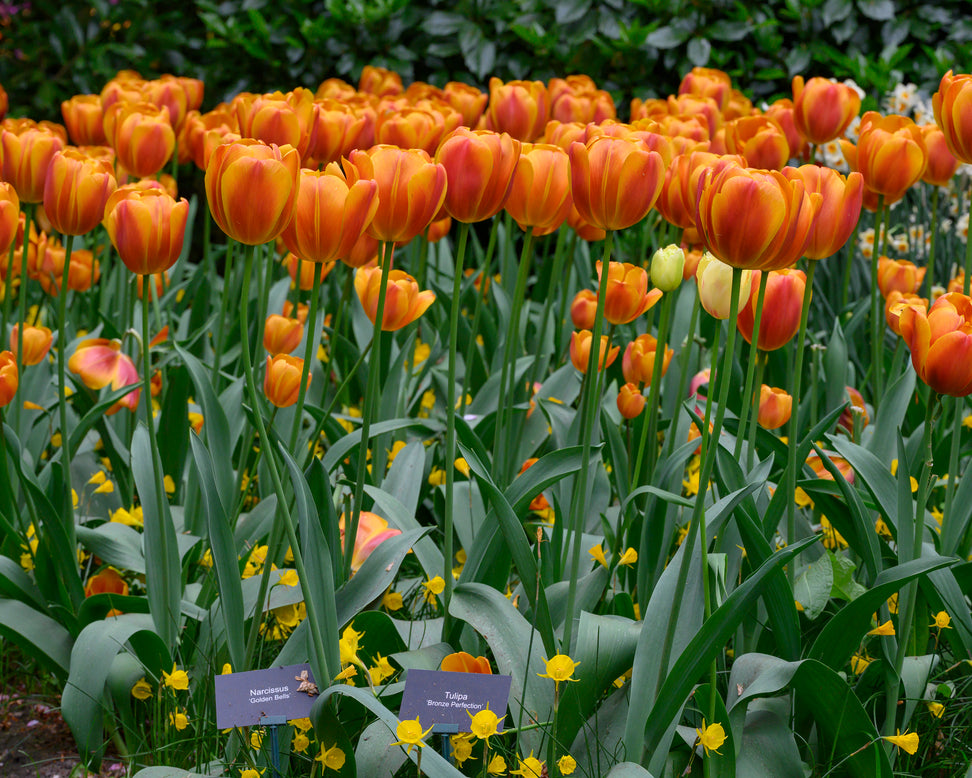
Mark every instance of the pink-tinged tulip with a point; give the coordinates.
(631, 402)
(760, 140)
(147, 228)
(564, 133)
(782, 306)
(677, 200)
(942, 164)
(695, 105)
(281, 335)
(468, 100)
(755, 219)
(952, 104)
(782, 112)
(84, 120)
(335, 89)
(169, 93)
(540, 194)
(373, 530)
(76, 191)
(899, 275)
(9, 378)
(707, 82)
(839, 210)
(404, 303)
(520, 108)
(237, 170)
(638, 362)
(416, 127)
(37, 343)
(411, 189)
(857, 407)
(380, 81)
(823, 109)
(9, 218)
(26, 157)
(775, 406)
(627, 296)
(100, 362)
(479, 166)
(337, 129)
(890, 154)
(281, 384)
(580, 351)
(141, 135)
(577, 99)
(329, 215)
(941, 343)
(614, 182)
(583, 308)
(714, 279)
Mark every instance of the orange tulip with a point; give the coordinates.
(468, 100)
(364, 252)
(890, 154)
(760, 140)
(822, 109)
(107, 581)
(817, 466)
(577, 99)
(46, 265)
(404, 303)
(479, 166)
(839, 210)
(373, 530)
(4, 102)
(84, 120)
(583, 308)
(677, 199)
(275, 119)
(329, 216)
(755, 219)
(520, 108)
(631, 402)
(775, 407)
(337, 130)
(941, 343)
(37, 343)
(782, 306)
(214, 125)
(707, 82)
(307, 271)
(416, 127)
(141, 135)
(896, 302)
(147, 228)
(899, 275)
(584, 229)
(167, 92)
(159, 281)
(564, 133)
(379, 81)
(580, 351)
(282, 381)
(76, 191)
(411, 189)
(100, 362)
(237, 170)
(614, 182)
(952, 104)
(282, 335)
(9, 218)
(26, 157)
(540, 194)
(461, 662)
(696, 105)
(857, 406)
(627, 296)
(8, 378)
(941, 163)
(714, 279)
(638, 362)
(781, 112)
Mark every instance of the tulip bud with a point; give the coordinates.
(282, 381)
(715, 285)
(404, 303)
(823, 109)
(76, 191)
(626, 294)
(631, 402)
(580, 351)
(8, 378)
(775, 407)
(37, 343)
(638, 362)
(583, 309)
(281, 335)
(666, 267)
(479, 166)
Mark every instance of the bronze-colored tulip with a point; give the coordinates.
(329, 215)
(540, 194)
(631, 402)
(952, 104)
(941, 162)
(583, 308)
(9, 378)
(9, 217)
(380, 81)
(707, 82)
(215, 125)
(823, 109)
(638, 362)
(76, 191)
(281, 384)
(237, 170)
(282, 335)
(416, 126)
(520, 108)
(147, 228)
(782, 306)
(580, 351)
(896, 302)
(614, 182)
(890, 154)
(468, 100)
(461, 662)
(899, 275)
(84, 119)
(626, 294)
(577, 99)
(307, 271)
(839, 209)
(941, 343)
(338, 129)
(168, 92)
(677, 199)
(141, 135)
(759, 140)
(411, 189)
(37, 343)
(26, 157)
(775, 407)
(404, 303)
(584, 229)
(479, 166)
(781, 112)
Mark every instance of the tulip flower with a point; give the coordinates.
(942, 164)
(107, 581)
(26, 157)
(9, 379)
(141, 135)
(468, 100)
(580, 351)
(479, 166)
(520, 108)
(169, 93)
(899, 275)
(626, 292)
(823, 109)
(775, 406)
(890, 154)
(76, 191)
(781, 112)
(379, 81)
(782, 306)
(337, 129)
(373, 530)
(404, 303)
(411, 189)
(857, 407)
(37, 343)
(667, 265)
(462, 662)
(614, 182)
(839, 210)
(84, 119)
(638, 362)
(100, 362)
(583, 308)
(307, 271)
(146, 227)
(540, 194)
(46, 266)
(329, 215)
(9, 218)
(707, 82)
(896, 302)
(416, 127)
(273, 119)
(577, 99)
(236, 170)
(714, 279)
(282, 335)
(756, 219)
(941, 343)
(952, 104)
(677, 200)
(631, 402)
(281, 384)
(760, 140)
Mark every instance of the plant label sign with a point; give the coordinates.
(242, 699)
(447, 701)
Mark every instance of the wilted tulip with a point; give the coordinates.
(404, 303)
(626, 295)
(281, 335)
(479, 166)
(952, 104)
(638, 362)
(100, 362)
(141, 135)
(823, 109)
(9, 378)
(580, 351)
(775, 406)
(76, 191)
(941, 343)
(782, 306)
(147, 228)
(281, 384)
(714, 279)
(540, 194)
(26, 157)
(631, 402)
(37, 343)
(520, 108)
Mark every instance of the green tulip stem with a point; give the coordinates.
(312, 339)
(368, 411)
(8, 285)
(283, 509)
(792, 465)
(484, 281)
(450, 440)
(649, 430)
(849, 266)
(953, 468)
(22, 305)
(683, 358)
(929, 279)
(265, 299)
(761, 360)
(221, 320)
(589, 404)
(555, 276)
(753, 359)
(62, 344)
(877, 321)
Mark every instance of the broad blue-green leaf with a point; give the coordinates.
(890, 416)
(768, 748)
(341, 448)
(813, 586)
(628, 770)
(398, 516)
(37, 634)
(404, 479)
(115, 544)
(876, 476)
(17, 585)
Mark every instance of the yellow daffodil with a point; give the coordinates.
(392, 601)
(484, 724)
(409, 733)
(559, 668)
(942, 621)
(461, 748)
(885, 629)
(332, 758)
(531, 767)
(497, 765)
(177, 679)
(908, 742)
(629, 557)
(566, 764)
(433, 587)
(936, 709)
(711, 737)
(141, 690)
(597, 552)
(179, 720)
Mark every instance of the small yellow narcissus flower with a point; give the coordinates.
(885, 629)
(177, 679)
(484, 724)
(497, 765)
(251, 772)
(711, 737)
(531, 767)
(300, 743)
(559, 668)
(392, 601)
(332, 758)
(597, 552)
(433, 587)
(942, 621)
(461, 748)
(908, 742)
(179, 720)
(141, 690)
(629, 557)
(566, 764)
(409, 733)
(936, 709)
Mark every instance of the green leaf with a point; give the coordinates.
(721, 764)
(37, 634)
(666, 37)
(876, 477)
(628, 770)
(890, 417)
(813, 586)
(341, 448)
(17, 585)
(768, 748)
(698, 51)
(878, 10)
(427, 551)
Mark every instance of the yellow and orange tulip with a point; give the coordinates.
(890, 154)
(823, 109)
(26, 156)
(580, 351)
(631, 402)
(373, 530)
(84, 120)
(479, 166)
(941, 343)
(775, 407)
(147, 228)
(37, 343)
(9, 217)
(899, 275)
(9, 378)
(281, 384)
(520, 108)
(952, 104)
(626, 294)
(404, 303)
(141, 135)
(281, 335)
(782, 306)
(540, 194)
(638, 362)
(839, 209)
(76, 191)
